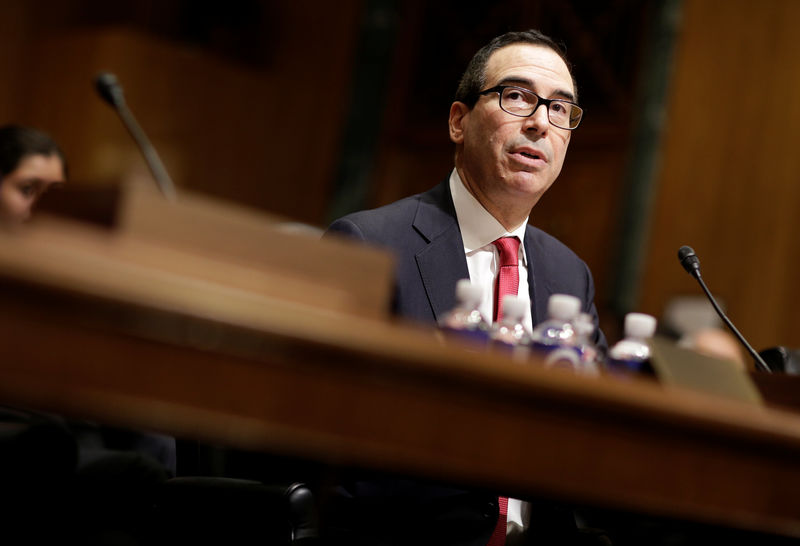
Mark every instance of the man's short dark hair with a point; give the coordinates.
(474, 78)
(17, 143)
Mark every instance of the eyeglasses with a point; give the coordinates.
(521, 102)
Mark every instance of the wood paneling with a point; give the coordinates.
(266, 134)
(728, 182)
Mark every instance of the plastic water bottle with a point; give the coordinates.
(588, 354)
(632, 354)
(509, 333)
(465, 321)
(555, 339)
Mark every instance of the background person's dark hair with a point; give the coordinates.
(474, 78)
(18, 142)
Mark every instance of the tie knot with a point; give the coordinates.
(508, 247)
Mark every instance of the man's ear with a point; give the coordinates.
(458, 115)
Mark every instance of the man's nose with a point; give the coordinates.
(538, 121)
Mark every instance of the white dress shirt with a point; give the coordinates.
(478, 230)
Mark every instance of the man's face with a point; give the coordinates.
(20, 189)
(508, 161)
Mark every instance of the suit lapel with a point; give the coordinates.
(441, 262)
(537, 292)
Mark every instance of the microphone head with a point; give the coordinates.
(689, 260)
(109, 89)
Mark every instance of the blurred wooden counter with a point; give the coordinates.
(101, 326)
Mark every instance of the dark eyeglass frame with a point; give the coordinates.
(539, 102)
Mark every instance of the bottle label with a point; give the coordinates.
(563, 357)
(517, 351)
(472, 337)
(619, 366)
(559, 356)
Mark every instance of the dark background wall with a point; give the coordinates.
(311, 109)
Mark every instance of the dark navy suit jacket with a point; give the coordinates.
(423, 234)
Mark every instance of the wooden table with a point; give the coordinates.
(88, 332)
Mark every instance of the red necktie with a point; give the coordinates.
(507, 283)
(507, 274)
(498, 537)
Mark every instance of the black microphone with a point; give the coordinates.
(110, 91)
(691, 263)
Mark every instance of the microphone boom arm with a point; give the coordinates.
(691, 263)
(111, 92)
(757, 357)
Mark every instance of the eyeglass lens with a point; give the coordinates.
(560, 113)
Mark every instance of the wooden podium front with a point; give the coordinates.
(191, 340)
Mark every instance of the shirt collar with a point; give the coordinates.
(478, 227)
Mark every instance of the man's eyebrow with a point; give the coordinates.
(528, 84)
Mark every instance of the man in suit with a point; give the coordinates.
(509, 151)
(511, 123)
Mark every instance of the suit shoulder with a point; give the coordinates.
(379, 224)
(543, 240)
(546, 246)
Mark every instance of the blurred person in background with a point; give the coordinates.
(89, 482)
(716, 343)
(30, 164)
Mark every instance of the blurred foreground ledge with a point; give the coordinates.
(210, 322)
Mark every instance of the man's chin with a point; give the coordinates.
(530, 185)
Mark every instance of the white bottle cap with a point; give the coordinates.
(468, 293)
(639, 325)
(513, 308)
(563, 307)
